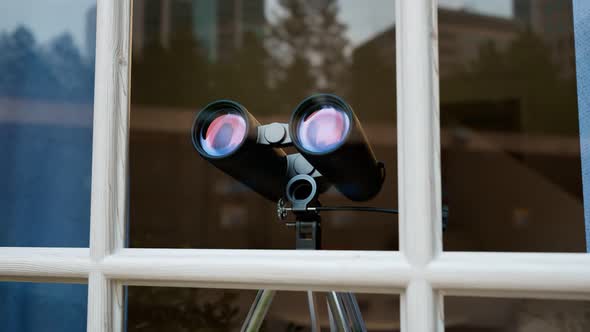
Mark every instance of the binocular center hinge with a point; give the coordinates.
(274, 134)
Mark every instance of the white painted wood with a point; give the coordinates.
(110, 128)
(99, 303)
(512, 274)
(418, 133)
(517, 294)
(109, 158)
(539, 275)
(381, 272)
(418, 158)
(44, 264)
(419, 307)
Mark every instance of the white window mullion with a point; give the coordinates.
(359, 271)
(109, 159)
(418, 159)
(66, 265)
(539, 275)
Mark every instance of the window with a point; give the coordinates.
(206, 56)
(420, 272)
(511, 161)
(46, 96)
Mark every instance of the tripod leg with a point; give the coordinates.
(313, 312)
(338, 312)
(333, 327)
(353, 311)
(258, 310)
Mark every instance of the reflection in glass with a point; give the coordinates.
(223, 135)
(195, 309)
(510, 146)
(323, 129)
(267, 56)
(33, 307)
(46, 95)
(515, 315)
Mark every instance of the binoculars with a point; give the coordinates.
(330, 141)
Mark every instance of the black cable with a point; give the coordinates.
(354, 208)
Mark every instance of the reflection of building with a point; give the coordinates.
(91, 33)
(549, 18)
(552, 21)
(522, 196)
(461, 34)
(219, 26)
(522, 10)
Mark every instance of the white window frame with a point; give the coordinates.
(420, 272)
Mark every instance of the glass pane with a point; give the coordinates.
(196, 309)
(33, 307)
(515, 315)
(268, 56)
(511, 171)
(46, 96)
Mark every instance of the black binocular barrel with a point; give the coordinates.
(225, 133)
(325, 130)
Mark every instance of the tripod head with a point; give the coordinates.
(302, 191)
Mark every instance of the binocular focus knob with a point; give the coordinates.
(275, 133)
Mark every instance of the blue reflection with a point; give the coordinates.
(56, 71)
(46, 96)
(45, 181)
(582, 38)
(42, 307)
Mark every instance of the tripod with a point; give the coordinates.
(343, 310)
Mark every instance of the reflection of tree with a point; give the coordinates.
(151, 81)
(245, 78)
(308, 44)
(329, 42)
(181, 76)
(525, 72)
(174, 77)
(186, 67)
(73, 76)
(182, 309)
(373, 82)
(55, 72)
(304, 52)
(289, 40)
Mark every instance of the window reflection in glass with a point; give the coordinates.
(199, 309)
(268, 56)
(510, 146)
(515, 315)
(46, 96)
(33, 307)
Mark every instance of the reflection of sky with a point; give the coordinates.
(367, 18)
(48, 19)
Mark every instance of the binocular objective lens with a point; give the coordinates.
(223, 135)
(323, 130)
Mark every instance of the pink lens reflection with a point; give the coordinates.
(323, 129)
(224, 134)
